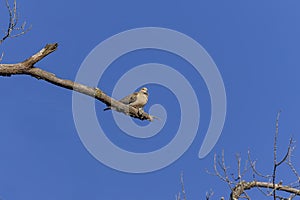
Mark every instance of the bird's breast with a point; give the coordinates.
(141, 100)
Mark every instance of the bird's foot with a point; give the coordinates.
(140, 112)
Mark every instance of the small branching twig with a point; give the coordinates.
(276, 163)
(12, 29)
(254, 170)
(239, 168)
(209, 195)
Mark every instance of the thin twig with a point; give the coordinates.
(253, 167)
(209, 195)
(275, 155)
(182, 186)
(1, 57)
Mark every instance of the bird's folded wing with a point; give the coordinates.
(129, 99)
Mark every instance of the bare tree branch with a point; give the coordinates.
(253, 167)
(242, 186)
(12, 29)
(275, 155)
(268, 186)
(276, 163)
(296, 184)
(27, 68)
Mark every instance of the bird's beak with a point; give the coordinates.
(144, 90)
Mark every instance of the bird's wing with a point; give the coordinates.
(129, 99)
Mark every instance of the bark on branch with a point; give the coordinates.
(240, 188)
(27, 68)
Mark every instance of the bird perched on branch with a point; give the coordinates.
(137, 99)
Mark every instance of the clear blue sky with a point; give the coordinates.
(255, 45)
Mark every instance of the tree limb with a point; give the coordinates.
(242, 186)
(27, 68)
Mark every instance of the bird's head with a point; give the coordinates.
(144, 90)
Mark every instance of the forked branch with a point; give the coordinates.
(13, 30)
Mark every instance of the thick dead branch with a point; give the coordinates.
(242, 186)
(27, 68)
